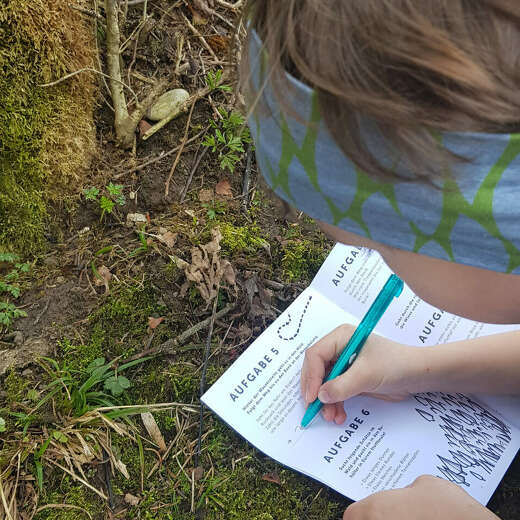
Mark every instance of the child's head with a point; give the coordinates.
(413, 66)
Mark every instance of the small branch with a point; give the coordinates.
(192, 173)
(199, 35)
(168, 347)
(228, 5)
(88, 69)
(179, 153)
(203, 378)
(164, 155)
(247, 177)
(86, 11)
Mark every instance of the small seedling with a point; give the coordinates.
(111, 196)
(215, 209)
(213, 78)
(10, 286)
(229, 138)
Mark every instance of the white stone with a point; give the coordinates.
(170, 102)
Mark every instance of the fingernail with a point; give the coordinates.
(308, 398)
(324, 396)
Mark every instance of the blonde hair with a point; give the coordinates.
(414, 67)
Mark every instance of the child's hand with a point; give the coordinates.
(384, 369)
(428, 498)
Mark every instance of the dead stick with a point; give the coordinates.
(247, 176)
(203, 379)
(192, 173)
(179, 153)
(169, 346)
(152, 161)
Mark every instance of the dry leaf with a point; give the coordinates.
(132, 500)
(272, 477)
(154, 322)
(198, 473)
(224, 188)
(169, 238)
(135, 218)
(207, 270)
(122, 468)
(102, 277)
(206, 195)
(219, 43)
(153, 430)
(144, 126)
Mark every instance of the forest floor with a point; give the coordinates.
(115, 290)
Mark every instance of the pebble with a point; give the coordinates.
(170, 102)
(18, 338)
(27, 372)
(60, 280)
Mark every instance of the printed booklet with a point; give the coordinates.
(467, 439)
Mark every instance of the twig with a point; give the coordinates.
(169, 346)
(192, 173)
(196, 32)
(247, 177)
(108, 480)
(89, 69)
(86, 11)
(203, 378)
(236, 5)
(179, 153)
(162, 156)
(39, 317)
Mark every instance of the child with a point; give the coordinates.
(391, 122)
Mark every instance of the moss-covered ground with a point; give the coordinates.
(109, 290)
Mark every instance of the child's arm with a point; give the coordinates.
(391, 371)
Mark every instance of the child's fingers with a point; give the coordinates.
(334, 412)
(353, 382)
(318, 357)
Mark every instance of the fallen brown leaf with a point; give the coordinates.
(169, 238)
(144, 126)
(219, 43)
(154, 322)
(207, 270)
(103, 276)
(132, 500)
(153, 430)
(224, 188)
(198, 473)
(272, 477)
(205, 195)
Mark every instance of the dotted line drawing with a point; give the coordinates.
(289, 320)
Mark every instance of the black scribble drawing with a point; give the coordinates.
(289, 321)
(476, 439)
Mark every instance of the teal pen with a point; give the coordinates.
(392, 289)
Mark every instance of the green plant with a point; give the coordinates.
(10, 286)
(213, 79)
(111, 196)
(228, 138)
(99, 384)
(214, 209)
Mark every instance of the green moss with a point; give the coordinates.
(301, 260)
(120, 325)
(66, 491)
(15, 386)
(46, 133)
(241, 239)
